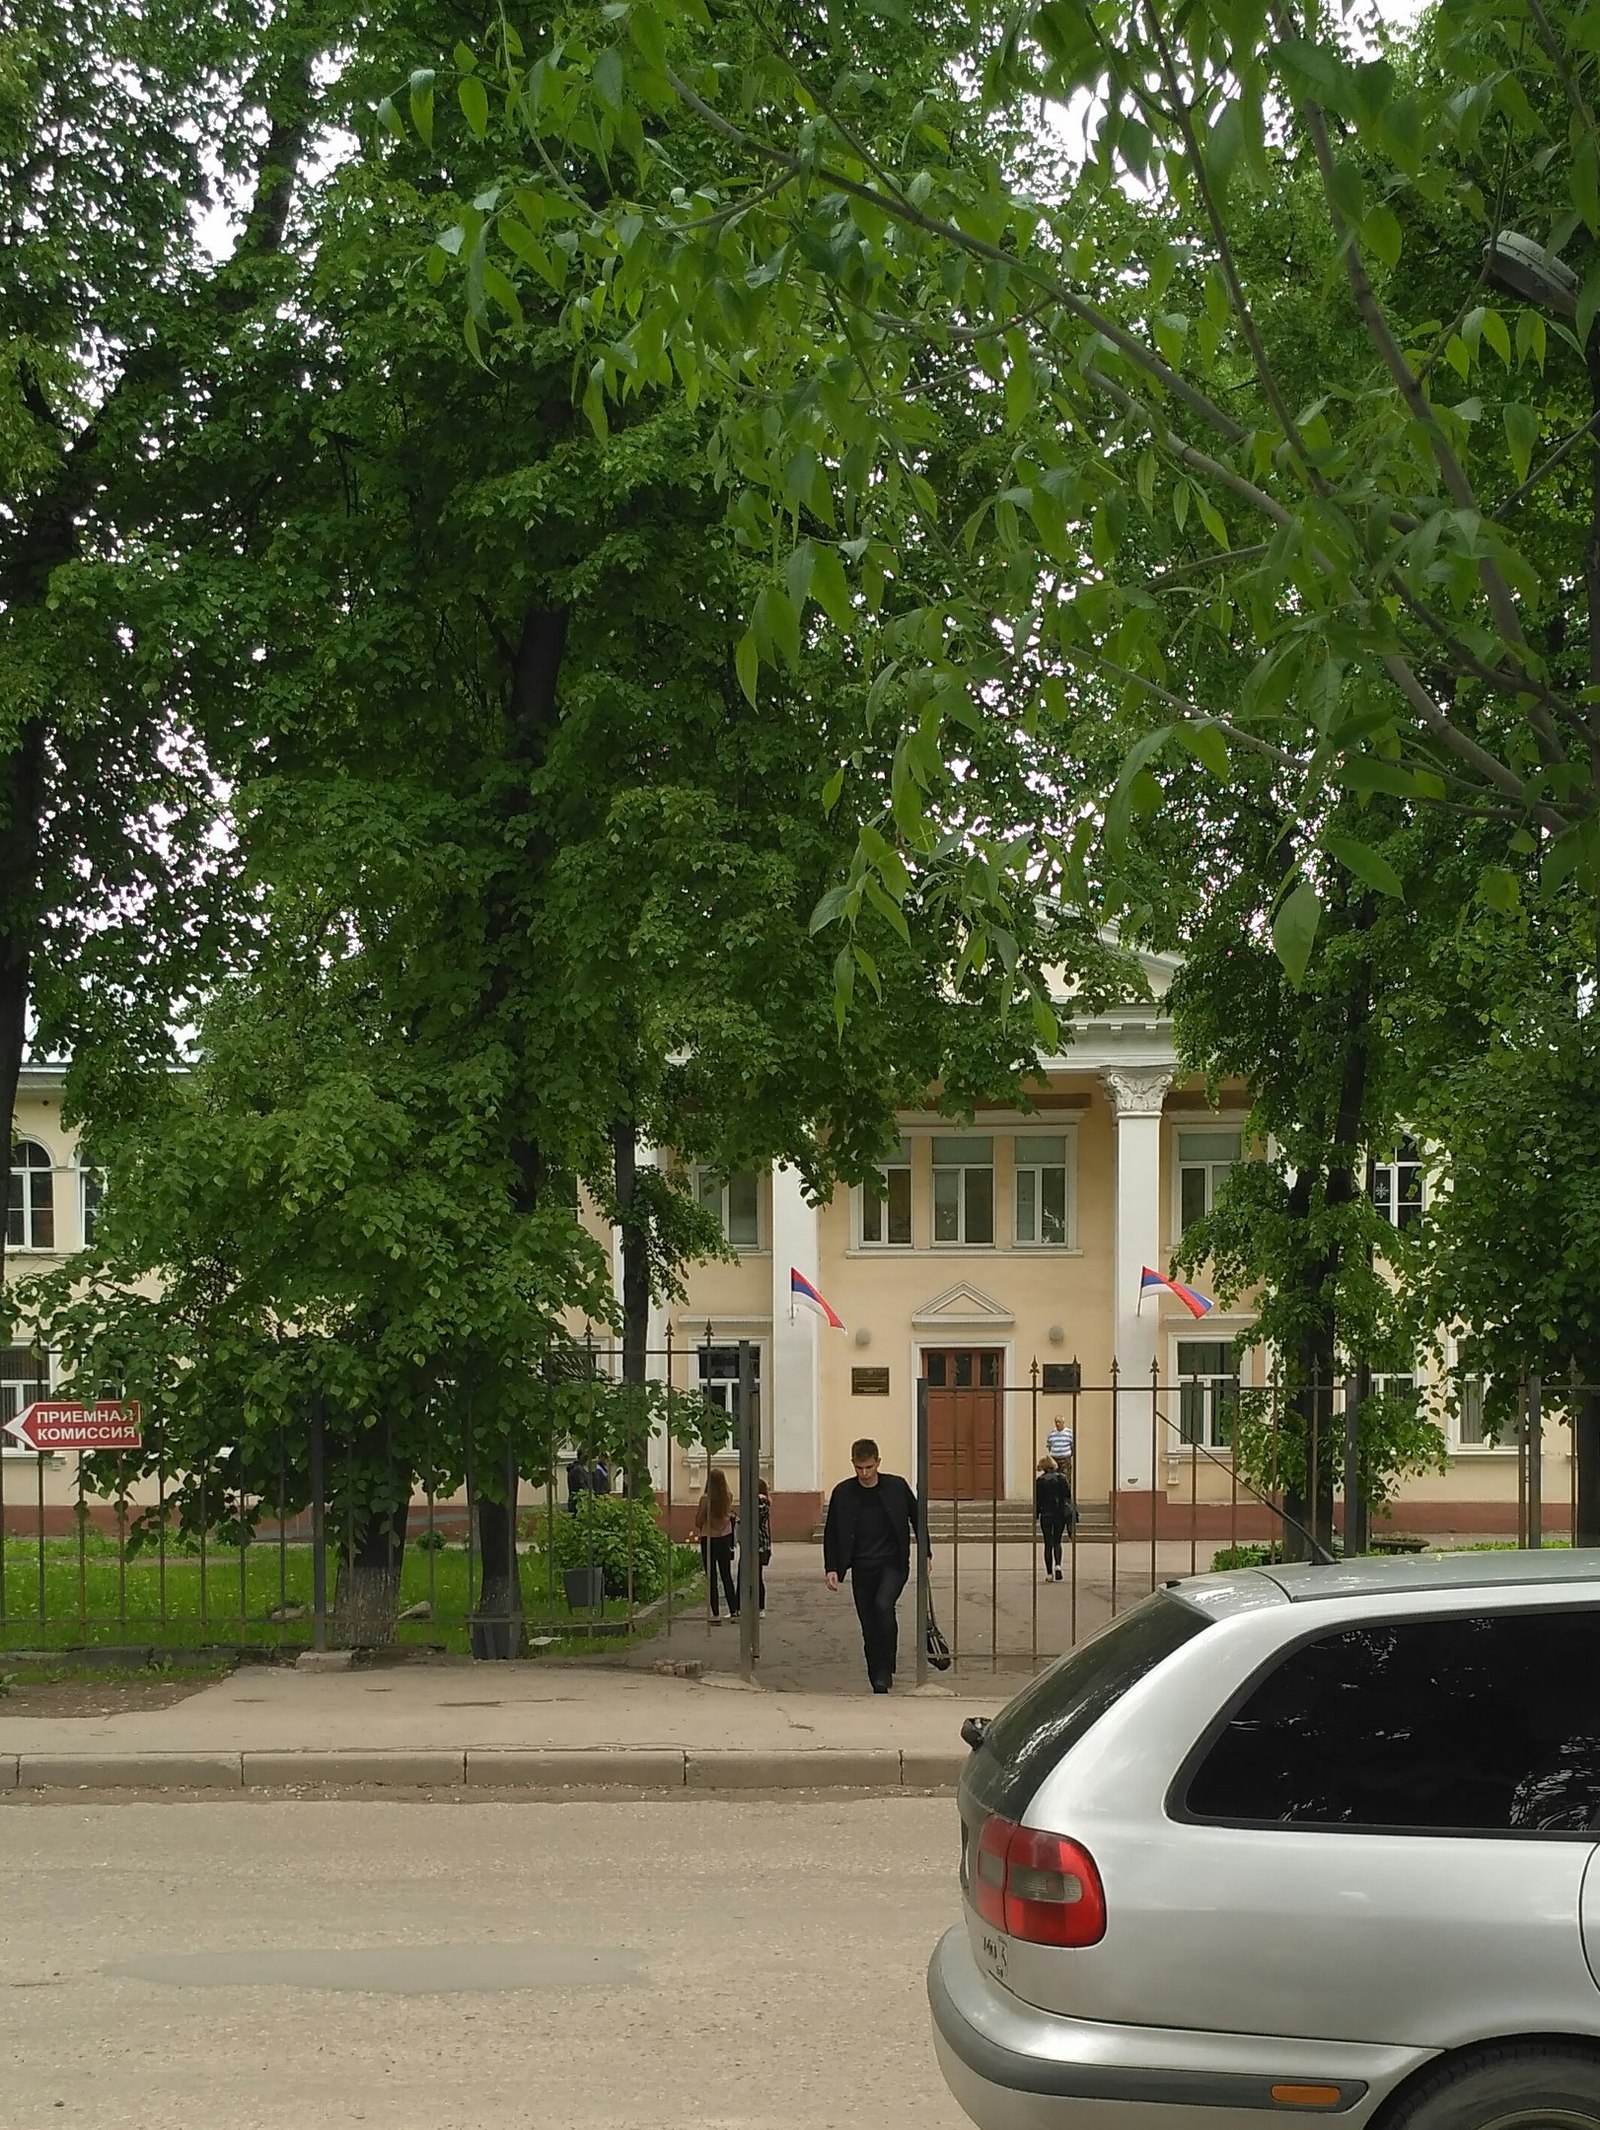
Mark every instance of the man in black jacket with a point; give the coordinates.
(871, 1523)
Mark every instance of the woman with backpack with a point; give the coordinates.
(713, 1528)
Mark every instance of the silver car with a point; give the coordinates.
(1290, 1842)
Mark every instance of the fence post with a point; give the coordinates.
(1535, 1462)
(749, 1514)
(1155, 1458)
(1354, 1537)
(923, 1593)
(319, 1528)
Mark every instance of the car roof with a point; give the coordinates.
(1381, 1575)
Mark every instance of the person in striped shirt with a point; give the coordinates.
(1059, 1443)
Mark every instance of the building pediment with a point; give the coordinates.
(960, 1308)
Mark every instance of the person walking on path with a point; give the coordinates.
(763, 1541)
(871, 1522)
(714, 1528)
(1052, 1508)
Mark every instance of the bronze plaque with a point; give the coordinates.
(869, 1383)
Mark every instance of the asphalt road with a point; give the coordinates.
(710, 1965)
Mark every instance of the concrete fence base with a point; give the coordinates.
(571, 1773)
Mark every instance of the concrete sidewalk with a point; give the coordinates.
(501, 1725)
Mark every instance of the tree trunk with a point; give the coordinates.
(22, 777)
(1586, 1449)
(366, 1596)
(497, 1626)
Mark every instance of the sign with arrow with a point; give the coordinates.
(53, 1425)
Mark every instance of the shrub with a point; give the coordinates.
(1260, 1556)
(599, 1533)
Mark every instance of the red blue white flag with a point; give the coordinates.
(1196, 1304)
(801, 1290)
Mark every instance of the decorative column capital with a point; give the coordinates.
(1137, 1091)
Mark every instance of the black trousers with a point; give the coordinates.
(1052, 1533)
(877, 1587)
(717, 1553)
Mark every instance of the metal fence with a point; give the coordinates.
(259, 1546)
(255, 1546)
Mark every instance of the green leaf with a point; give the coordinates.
(1208, 746)
(390, 119)
(594, 400)
(1294, 930)
(1382, 233)
(829, 908)
(1498, 888)
(833, 790)
(1368, 866)
(421, 100)
(1522, 433)
(474, 101)
(608, 78)
(747, 665)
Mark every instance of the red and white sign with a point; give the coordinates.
(113, 1424)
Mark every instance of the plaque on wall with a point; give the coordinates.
(869, 1383)
(1061, 1376)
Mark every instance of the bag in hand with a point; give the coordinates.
(938, 1647)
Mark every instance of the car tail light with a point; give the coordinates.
(1039, 1887)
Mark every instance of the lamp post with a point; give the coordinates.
(1532, 271)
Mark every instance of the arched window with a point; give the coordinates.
(31, 1221)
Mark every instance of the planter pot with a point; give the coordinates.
(585, 1588)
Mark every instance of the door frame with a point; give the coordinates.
(924, 1342)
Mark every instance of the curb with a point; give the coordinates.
(570, 1772)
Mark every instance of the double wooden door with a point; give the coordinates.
(966, 1405)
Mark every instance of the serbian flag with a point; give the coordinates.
(801, 1290)
(1196, 1304)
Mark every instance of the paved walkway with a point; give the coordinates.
(994, 1607)
(809, 1720)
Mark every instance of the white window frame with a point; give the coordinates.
(1178, 1447)
(704, 1176)
(16, 1392)
(899, 1165)
(89, 1175)
(1180, 1125)
(46, 1169)
(1392, 1168)
(1068, 1164)
(728, 1456)
(962, 1170)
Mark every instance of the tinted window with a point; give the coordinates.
(1482, 1724)
(1053, 1712)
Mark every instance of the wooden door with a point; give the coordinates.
(966, 1451)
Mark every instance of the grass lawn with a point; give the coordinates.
(99, 1598)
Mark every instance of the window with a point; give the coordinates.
(719, 1380)
(886, 1203)
(91, 1186)
(963, 1190)
(1043, 1211)
(1396, 1185)
(736, 1201)
(24, 1376)
(31, 1224)
(1039, 1726)
(1483, 1723)
(1470, 1430)
(1204, 1159)
(1208, 1392)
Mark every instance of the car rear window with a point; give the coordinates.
(1484, 1723)
(1059, 1708)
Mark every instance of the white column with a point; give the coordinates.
(1136, 1097)
(792, 1394)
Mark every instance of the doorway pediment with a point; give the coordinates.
(963, 1307)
